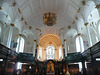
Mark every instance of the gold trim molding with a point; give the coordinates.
(20, 34)
(12, 25)
(64, 40)
(79, 34)
(34, 40)
(86, 24)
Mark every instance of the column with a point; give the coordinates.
(83, 68)
(79, 35)
(89, 36)
(34, 48)
(65, 45)
(20, 35)
(10, 35)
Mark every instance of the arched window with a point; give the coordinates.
(60, 53)
(40, 53)
(99, 29)
(50, 52)
(79, 44)
(20, 45)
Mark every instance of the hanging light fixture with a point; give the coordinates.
(49, 19)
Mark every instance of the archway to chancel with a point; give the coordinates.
(50, 50)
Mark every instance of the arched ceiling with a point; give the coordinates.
(33, 10)
(50, 38)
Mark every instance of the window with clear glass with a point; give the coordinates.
(79, 44)
(60, 53)
(20, 45)
(50, 52)
(99, 29)
(40, 53)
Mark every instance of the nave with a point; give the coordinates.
(49, 37)
(88, 60)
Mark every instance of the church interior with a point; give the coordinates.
(49, 37)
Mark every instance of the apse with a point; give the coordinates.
(50, 48)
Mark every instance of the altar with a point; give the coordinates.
(50, 67)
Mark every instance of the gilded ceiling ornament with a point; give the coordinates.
(73, 22)
(34, 40)
(13, 4)
(79, 34)
(97, 6)
(19, 11)
(69, 27)
(38, 29)
(64, 40)
(20, 34)
(79, 10)
(86, 24)
(59, 34)
(22, 18)
(6, 16)
(76, 18)
(55, 49)
(40, 34)
(61, 29)
(36, 45)
(49, 19)
(12, 25)
(30, 27)
(83, 3)
(93, 23)
(2, 24)
(26, 23)
(5, 23)
(0, 8)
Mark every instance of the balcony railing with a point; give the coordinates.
(7, 53)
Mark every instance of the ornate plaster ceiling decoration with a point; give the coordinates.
(61, 29)
(49, 19)
(38, 29)
(83, 2)
(22, 18)
(79, 10)
(13, 4)
(26, 23)
(30, 27)
(19, 11)
(0, 8)
(73, 22)
(98, 6)
(69, 27)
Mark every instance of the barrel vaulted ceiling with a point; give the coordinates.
(33, 10)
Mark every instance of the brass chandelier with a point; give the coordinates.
(49, 19)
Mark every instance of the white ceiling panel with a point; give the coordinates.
(27, 12)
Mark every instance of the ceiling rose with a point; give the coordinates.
(49, 19)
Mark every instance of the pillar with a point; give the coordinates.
(20, 35)
(83, 68)
(79, 35)
(88, 33)
(34, 48)
(65, 45)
